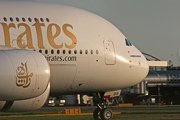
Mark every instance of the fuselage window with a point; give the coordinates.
(91, 51)
(81, 51)
(35, 19)
(58, 51)
(52, 51)
(47, 19)
(75, 51)
(97, 52)
(23, 19)
(41, 19)
(64, 51)
(30, 20)
(40, 51)
(69, 51)
(17, 19)
(11, 19)
(86, 51)
(46, 51)
(5, 19)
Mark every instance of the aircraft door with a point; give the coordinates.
(110, 58)
(62, 76)
(81, 74)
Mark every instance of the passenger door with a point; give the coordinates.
(110, 58)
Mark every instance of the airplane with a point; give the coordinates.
(48, 48)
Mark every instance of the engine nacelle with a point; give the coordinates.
(24, 74)
(25, 105)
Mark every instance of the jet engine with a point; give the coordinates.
(25, 105)
(24, 74)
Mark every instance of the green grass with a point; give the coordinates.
(146, 106)
(148, 111)
(51, 118)
(147, 117)
(116, 117)
(26, 113)
(126, 115)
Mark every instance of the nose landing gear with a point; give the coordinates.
(102, 113)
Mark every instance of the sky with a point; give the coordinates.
(153, 26)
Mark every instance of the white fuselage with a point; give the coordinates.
(85, 52)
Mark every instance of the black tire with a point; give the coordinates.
(96, 114)
(106, 114)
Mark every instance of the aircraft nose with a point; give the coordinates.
(145, 65)
(142, 69)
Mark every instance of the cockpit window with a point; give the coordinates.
(128, 43)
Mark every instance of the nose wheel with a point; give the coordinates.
(102, 113)
(96, 114)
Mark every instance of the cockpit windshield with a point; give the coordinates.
(128, 43)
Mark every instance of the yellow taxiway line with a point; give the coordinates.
(52, 114)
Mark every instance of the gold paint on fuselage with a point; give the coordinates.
(27, 32)
(38, 26)
(6, 33)
(39, 33)
(70, 35)
(51, 37)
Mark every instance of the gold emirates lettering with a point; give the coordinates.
(38, 26)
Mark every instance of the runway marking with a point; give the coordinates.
(53, 115)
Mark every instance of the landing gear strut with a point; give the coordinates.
(102, 113)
